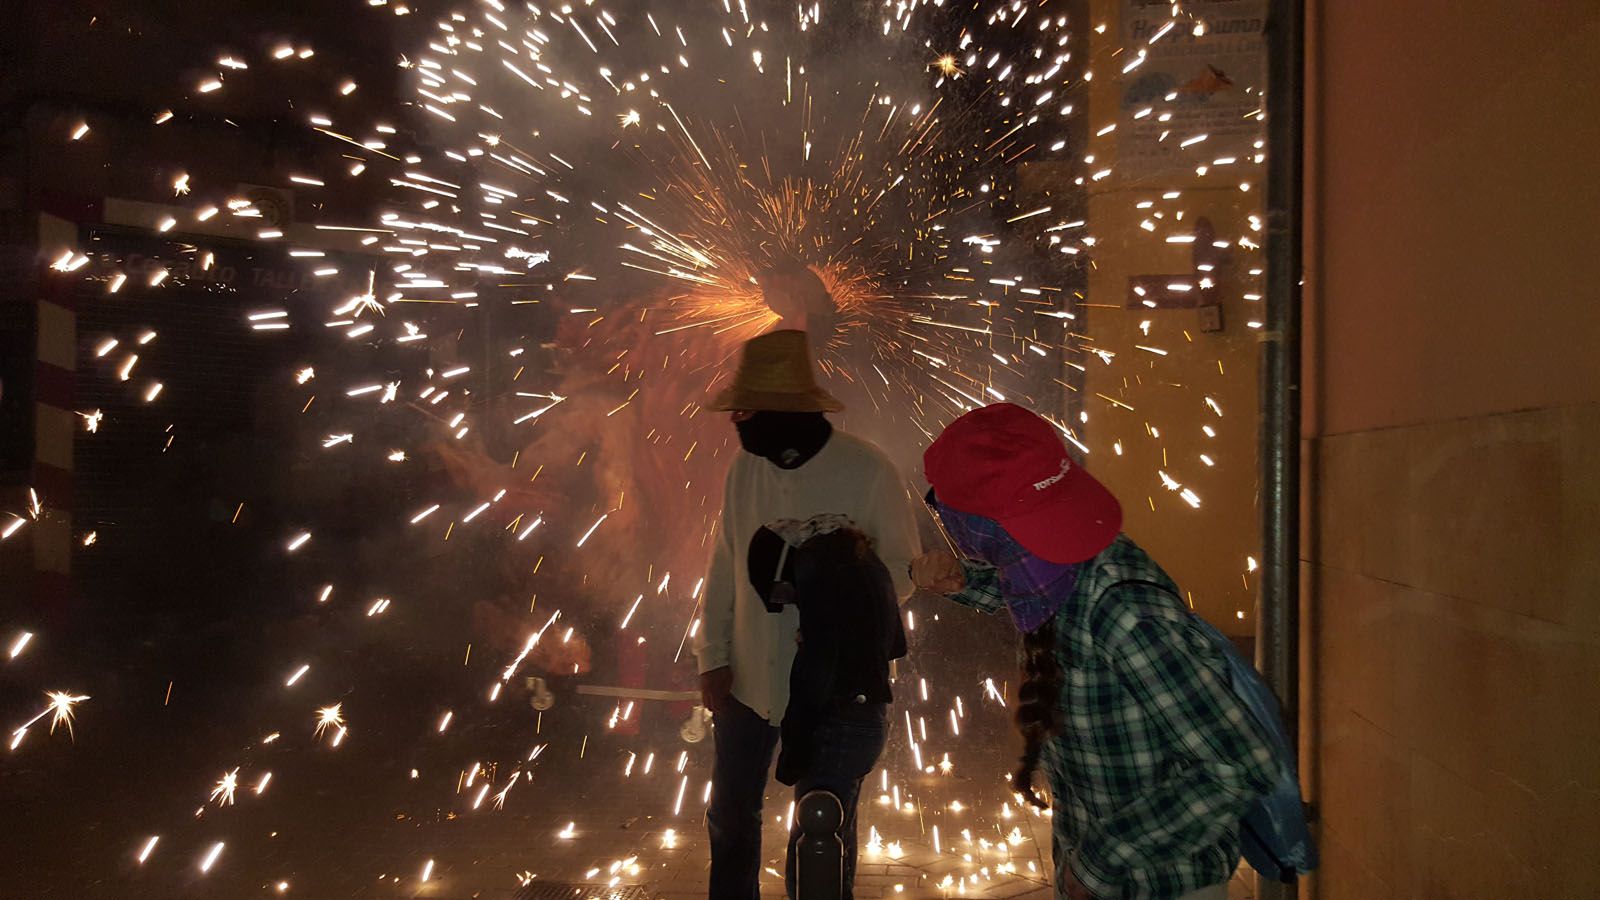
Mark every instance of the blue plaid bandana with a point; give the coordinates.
(1033, 588)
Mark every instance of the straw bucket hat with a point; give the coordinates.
(775, 375)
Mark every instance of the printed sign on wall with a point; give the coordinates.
(1190, 84)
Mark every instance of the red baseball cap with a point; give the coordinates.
(1005, 463)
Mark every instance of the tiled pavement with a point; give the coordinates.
(357, 823)
(353, 828)
(902, 863)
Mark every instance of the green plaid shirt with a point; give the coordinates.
(1157, 760)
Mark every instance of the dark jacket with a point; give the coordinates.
(850, 630)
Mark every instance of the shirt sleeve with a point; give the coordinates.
(895, 529)
(1179, 680)
(982, 591)
(713, 644)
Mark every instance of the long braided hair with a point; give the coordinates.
(1037, 717)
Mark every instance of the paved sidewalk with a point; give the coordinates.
(608, 807)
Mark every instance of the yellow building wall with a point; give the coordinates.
(1153, 406)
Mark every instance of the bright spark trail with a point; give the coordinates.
(496, 384)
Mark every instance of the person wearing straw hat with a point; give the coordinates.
(1126, 699)
(797, 476)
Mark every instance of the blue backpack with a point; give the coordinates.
(1274, 835)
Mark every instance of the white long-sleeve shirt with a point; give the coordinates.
(848, 477)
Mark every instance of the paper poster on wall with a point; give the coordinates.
(1191, 84)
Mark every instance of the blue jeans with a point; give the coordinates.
(849, 743)
(744, 745)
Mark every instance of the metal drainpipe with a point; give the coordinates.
(1278, 626)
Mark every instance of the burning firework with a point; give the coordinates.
(594, 210)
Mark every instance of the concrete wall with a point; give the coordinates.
(1453, 420)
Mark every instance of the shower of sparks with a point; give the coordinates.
(222, 793)
(573, 164)
(329, 717)
(60, 711)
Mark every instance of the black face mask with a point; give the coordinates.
(786, 439)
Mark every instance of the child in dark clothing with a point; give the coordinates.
(850, 631)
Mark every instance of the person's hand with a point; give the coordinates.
(938, 571)
(715, 687)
